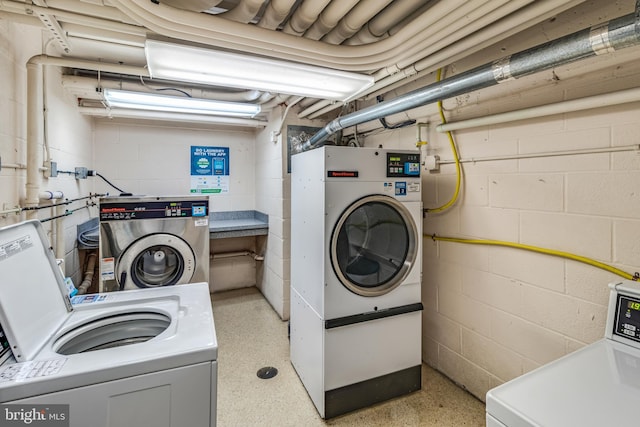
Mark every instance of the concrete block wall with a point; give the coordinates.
(493, 313)
(271, 189)
(155, 160)
(273, 197)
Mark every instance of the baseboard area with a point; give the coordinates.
(365, 393)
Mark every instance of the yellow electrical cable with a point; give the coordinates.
(455, 157)
(545, 251)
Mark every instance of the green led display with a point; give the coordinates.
(633, 305)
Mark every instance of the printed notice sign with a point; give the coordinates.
(209, 170)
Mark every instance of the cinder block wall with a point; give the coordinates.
(494, 313)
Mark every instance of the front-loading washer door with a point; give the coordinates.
(374, 245)
(155, 260)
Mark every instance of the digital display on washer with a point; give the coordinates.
(627, 323)
(150, 210)
(403, 165)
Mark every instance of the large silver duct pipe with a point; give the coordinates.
(600, 39)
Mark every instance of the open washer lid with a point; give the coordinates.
(33, 300)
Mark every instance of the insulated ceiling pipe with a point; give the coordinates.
(329, 18)
(354, 20)
(275, 13)
(600, 39)
(244, 11)
(392, 77)
(385, 20)
(305, 15)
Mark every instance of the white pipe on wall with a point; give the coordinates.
(50, 195)
(543, 154)
(589, 102)
(35, 134)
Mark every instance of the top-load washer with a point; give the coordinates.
(148, 241)
(356, 231)
(135, 358)
(596, 386)
(356, 219)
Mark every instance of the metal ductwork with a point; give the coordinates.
(598, 40)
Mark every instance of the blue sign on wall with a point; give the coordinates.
(209, 169)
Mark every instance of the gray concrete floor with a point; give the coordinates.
(252, 336)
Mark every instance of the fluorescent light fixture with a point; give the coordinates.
(151, 102)
(198, 65)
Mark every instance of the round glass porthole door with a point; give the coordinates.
(374, 245)
(155, 260)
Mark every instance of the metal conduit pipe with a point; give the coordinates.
(597, 40)
(388, 78)
(305, 15)
(487, 36)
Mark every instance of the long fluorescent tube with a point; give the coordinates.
(198, 65)
(151, 102)
(171, 117)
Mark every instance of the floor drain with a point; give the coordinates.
(267, 372)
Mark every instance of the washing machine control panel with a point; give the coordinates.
(154, 210)
(403, 165)
(627, 322)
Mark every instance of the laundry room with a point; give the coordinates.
(388, 212)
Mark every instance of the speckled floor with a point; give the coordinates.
(251, 336)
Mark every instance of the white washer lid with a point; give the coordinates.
(33, 303)
(596, 386)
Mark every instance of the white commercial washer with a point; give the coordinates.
(149, 241)
(143, 358)
(356, 230)
(596, 386)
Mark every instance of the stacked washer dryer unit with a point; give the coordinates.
(148, 242)
(356, 216)
(598, 385)
(144, 358)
